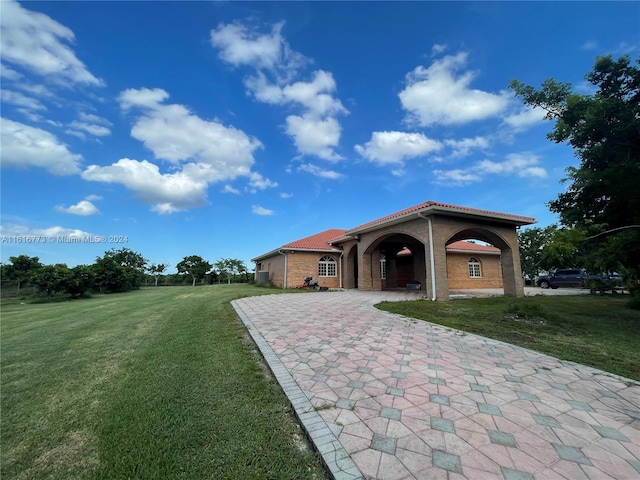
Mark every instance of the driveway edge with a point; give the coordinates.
(335, 458)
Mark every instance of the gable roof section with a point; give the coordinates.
(431, 207)
(320, 242)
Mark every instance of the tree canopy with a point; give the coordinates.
(195, 266)
(603, 195)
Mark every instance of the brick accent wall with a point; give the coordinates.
(458, 271)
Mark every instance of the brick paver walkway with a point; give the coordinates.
(386, 397)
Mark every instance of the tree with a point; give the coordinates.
(80, 279)
(110, 276)
(156, 270)
(132, 270)
(230, 267)
(602, 198)
(50, 278)
(195, 266)
(21, 268)
(532, 243)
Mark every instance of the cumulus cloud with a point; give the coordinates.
(243, 45)
(259, 182)
(168, 193)
(174, 134)
(258, 210)
(525, 118)
(395, 147)
(315, 136)
(461, 148)
(83, 207)
(24, 146)
(523, 165)
(441, 94)
(35, 42)
(316, 130)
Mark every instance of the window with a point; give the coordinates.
(474, 268)
(383, 267)
(327, 267)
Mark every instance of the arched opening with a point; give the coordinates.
(396, 260)
(480, 258)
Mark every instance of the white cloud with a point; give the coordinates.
(455, 177)
(24, 146)
(92, 129)
(440, 94)
(589, 45)
(316, 131)
(523, 165)
(174, 134)
(395, 147)
(525, 118)
(167, 193)
(242, 45)
(286, 195)
(35, 42)
(258, 210)
(20, 100)
(9, 73)
(230, 189)
(15, 229)
(520, 164)
(438, 49)
(258, 182)
(461, 148)
(314, 136)
(320, 172)
(83, 207)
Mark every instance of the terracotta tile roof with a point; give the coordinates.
(319, 241)
(431, 205)
(462, 246)
(472, 247)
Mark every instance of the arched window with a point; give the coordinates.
(474, 268)
(383, 266)
(327, 267)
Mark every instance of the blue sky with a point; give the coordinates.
(227, 129)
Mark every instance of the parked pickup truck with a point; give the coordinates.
(569, 277)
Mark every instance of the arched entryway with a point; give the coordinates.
(395, 259)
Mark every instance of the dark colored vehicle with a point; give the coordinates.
(568, 277)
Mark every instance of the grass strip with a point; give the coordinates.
(599, 331)
(157, 383)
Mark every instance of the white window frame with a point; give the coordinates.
(383, 267)
(475, 268)
(327, 267)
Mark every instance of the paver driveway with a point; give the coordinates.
(387, 397)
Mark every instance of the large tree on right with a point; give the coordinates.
(603, 194)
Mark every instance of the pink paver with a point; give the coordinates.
(378, 379)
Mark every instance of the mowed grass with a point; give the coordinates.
(599, 331)
(160, 383)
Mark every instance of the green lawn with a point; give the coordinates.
(157, 383)
(599, 331)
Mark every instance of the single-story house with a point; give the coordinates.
(421, 245)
